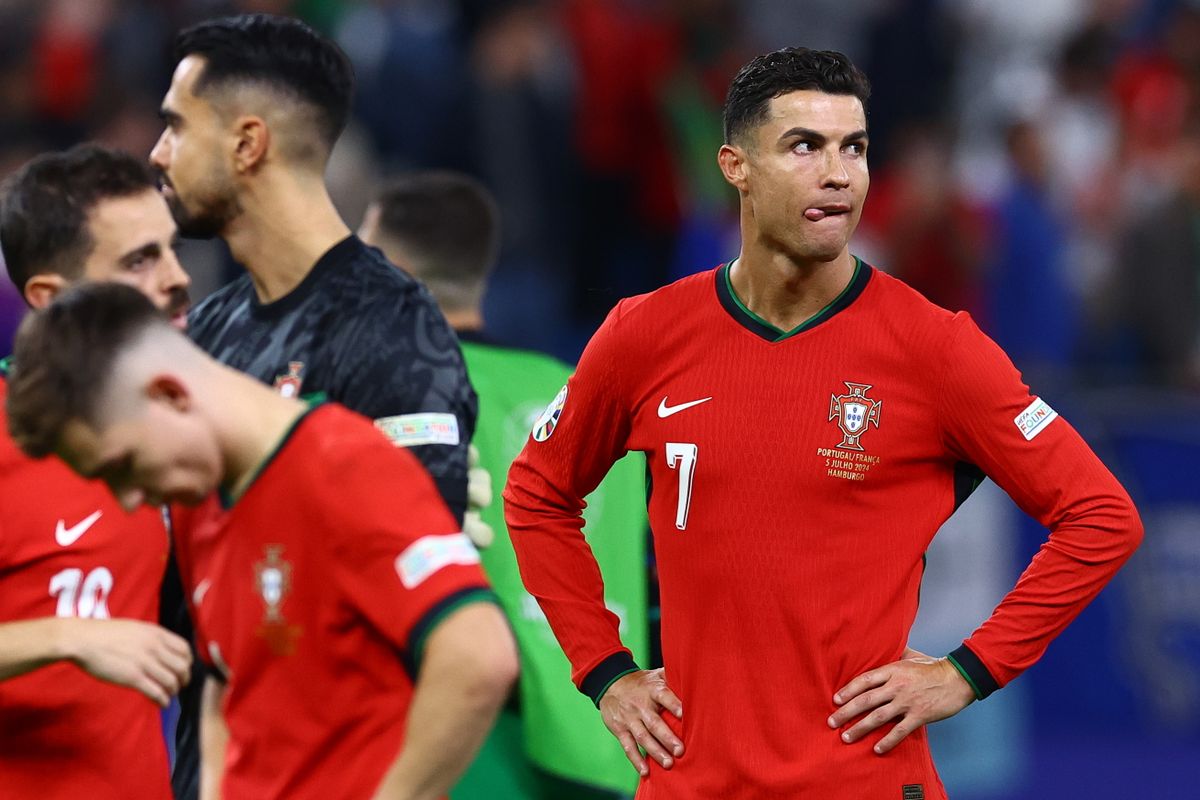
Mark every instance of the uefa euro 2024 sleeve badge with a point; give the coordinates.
(854, 412)
(273, 580)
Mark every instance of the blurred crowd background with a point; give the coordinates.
(1035, 162)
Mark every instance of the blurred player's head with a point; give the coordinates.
(795, 149)
(249, 93)
(101, 379)
(443, 228)
(90, 214)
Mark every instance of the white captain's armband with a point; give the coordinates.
(410, 430)
(428, 554)
(1034, 419)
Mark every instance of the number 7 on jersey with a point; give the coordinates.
(681, 456)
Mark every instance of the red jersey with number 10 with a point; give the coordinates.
(68, 549)
(798, 478)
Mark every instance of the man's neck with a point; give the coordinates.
(465, 321)
(288, 222)
(251, 437)
(786, 292)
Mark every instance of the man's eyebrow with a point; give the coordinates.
(148, 250)
(804, 133)
(808, 134)
(169, 116)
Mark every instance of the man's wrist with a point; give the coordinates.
(606, 673)
(66, 640)
(973, 671)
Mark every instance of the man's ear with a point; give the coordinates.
(41, 289)
(734, 166)
(166, 388)
(253, 141)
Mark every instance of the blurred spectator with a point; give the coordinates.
(923, 229)
(1032, 311)
(1158, 287)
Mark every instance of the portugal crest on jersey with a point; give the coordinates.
(273, 580)
(289, 383)
(854, 412)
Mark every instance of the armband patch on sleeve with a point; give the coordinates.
(1034, 419)
(410, 430)
(428, 554)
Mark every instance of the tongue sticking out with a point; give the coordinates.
(814, 214)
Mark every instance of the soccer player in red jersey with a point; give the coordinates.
(809, 423)
(79, 576)
(354, 648)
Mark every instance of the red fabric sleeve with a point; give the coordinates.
(1054, 477)
(399, 556)
(544, 504)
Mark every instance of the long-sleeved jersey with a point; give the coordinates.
(797, 480)
(68, 550)
(313, 595)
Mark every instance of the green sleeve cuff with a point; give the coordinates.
(973, 671)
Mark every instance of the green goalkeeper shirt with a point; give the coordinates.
(563, 733)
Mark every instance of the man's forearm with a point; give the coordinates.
(30, 644)
(214, 736)
(466, 673)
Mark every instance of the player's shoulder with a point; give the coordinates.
(214, 308)
(663, 305)
(333, 439)
(907, 307)
(366, 278)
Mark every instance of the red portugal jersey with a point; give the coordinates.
(68, 549)
(312, 595)
(797, 480)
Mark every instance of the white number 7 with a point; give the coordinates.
(682, 456)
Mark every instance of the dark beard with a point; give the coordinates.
(206, 223)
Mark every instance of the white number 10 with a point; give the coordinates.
(682, 456)
(80, 596)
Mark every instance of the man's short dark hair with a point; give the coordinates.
(788, 70)
(281, 53)
(448, 224)
(63, 357)
(44, 207)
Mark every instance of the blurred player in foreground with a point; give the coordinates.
(810, 422)
(353, 645)
(79, 576)
(443, 228)
(255, 106)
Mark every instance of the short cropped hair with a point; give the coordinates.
(63, 359)
(44, 207)
(281, 53)
(448, 224)
(788, 70)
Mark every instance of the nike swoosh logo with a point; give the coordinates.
(665, 410)
(68, 536)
